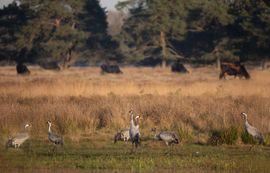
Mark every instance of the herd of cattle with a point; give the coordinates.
(231, 69)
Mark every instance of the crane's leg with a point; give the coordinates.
(53, 150)
(132, 148)
(168, 149)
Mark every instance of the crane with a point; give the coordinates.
(254, 132)
(53, 137)
(19, 138)
(134, 132)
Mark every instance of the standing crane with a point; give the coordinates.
(19, 138)
(134, 132)
(123, 135)
(255, 133)
(53, 137)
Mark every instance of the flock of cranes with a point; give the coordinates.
(21, 137)
(132, 133)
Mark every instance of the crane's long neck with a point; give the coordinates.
(246, 121)
(156, 136)
(132, 120)
(137, 122)
(49, 130)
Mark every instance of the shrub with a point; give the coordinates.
(230, 135)
(227, 136)
(247, 138)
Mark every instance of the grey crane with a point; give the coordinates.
(53, 137)
(134, 131)
(255, 133)
(122, 134)
(19, 138)
(168, 137)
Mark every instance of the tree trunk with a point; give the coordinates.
(218, 62)
(67, 58)
(163, 46)
(216, 53)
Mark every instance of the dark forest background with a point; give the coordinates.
(76, 32)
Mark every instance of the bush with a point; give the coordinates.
(247, 138)
(228, 136)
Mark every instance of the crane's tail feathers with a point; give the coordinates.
(137, 140)
(261, 141)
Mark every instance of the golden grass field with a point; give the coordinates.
(83, 102)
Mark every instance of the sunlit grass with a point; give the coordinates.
(87, 108)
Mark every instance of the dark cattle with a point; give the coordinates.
(110, 69)
(178, 67)
(50, 66)
(22, 69)
(233, 69)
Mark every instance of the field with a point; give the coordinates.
(87, 108)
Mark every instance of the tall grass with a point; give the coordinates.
(83, 102)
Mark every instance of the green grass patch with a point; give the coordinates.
(104, 155)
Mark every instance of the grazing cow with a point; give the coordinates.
(178, 67)
(50, 66)
(233, 69)
(110, 69)
(22, 69)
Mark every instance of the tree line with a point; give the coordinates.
(71, 31)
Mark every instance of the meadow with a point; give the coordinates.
(88, 107)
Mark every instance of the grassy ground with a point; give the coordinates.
(87, 108)
(96, 155)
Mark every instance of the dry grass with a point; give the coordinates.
(84, 102)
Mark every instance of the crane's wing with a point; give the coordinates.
(55, 138)
(20, 138)
(255, 133)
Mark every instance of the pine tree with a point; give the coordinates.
(62, 31)
(12, 18)
(175, 28)
(151, 24)
(250, 32)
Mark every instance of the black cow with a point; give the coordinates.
(22, 69)
(178, 67)
(233, 69)
(110, 69)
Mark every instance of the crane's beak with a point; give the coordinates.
(138, 117)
